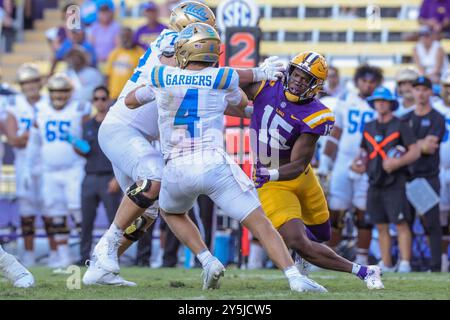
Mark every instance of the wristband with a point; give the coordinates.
(274, 174)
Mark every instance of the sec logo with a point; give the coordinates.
(237, 13)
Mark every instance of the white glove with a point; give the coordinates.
(271, 69)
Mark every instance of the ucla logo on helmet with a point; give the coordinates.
(187, 33)
(197, 12)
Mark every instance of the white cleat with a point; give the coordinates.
(15, 272)
(303, 266)
(305, 284)
(373, 278)
(106, 253)
(404, 267)
(212, 273)
(95, 275)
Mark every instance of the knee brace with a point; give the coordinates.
(337, 219)
(361, 221)
(27, 224)
(137, 229)
(60, 225)
(48, 225)
(137, 194)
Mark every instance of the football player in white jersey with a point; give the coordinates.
(348, 190)
(125, 134)
(192, 100)
(58, 124)
(21, 114)
(444, 108)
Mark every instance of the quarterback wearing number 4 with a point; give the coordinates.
(286, 123)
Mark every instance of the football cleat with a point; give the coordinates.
(373, 278)
(106, 253)
(95, 275)
(303, 266)
(15, 272)
(305, 284)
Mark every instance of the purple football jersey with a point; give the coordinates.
(277, 123)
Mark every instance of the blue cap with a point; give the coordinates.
(382, 93)
(149, 6)
(423, 81)
(105, 3)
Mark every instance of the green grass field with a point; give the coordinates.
(237, 284)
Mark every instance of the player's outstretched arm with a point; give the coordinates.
(139, 96)
(272, 69)
(241, 110)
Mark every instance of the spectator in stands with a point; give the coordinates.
(386, 198)
(84, 77)
(404, 79)
(150, 31)
(7, 16)
(105, 32)
(121, 62)
(429, 56)
(75, 37)
(333, 85)
(436, 15)
(428, 126)
(57, 35)
(99, 184)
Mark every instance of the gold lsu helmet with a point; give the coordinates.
(28, 72)
(59, 82)
(314, 65)
(190, 12)
(197, 42)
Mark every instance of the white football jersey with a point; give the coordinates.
(54, 127)
(191, 104)
(145, 118)
(352, 113)
(445, 144)
(25, 115)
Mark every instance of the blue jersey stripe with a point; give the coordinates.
(230, 75)
(153, 77)
(218, 78)
(160, 76)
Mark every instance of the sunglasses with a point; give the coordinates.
(100, 98)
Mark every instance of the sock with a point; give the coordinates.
(114, 232)
(205, 257)
(359, 270)
(291, 272)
